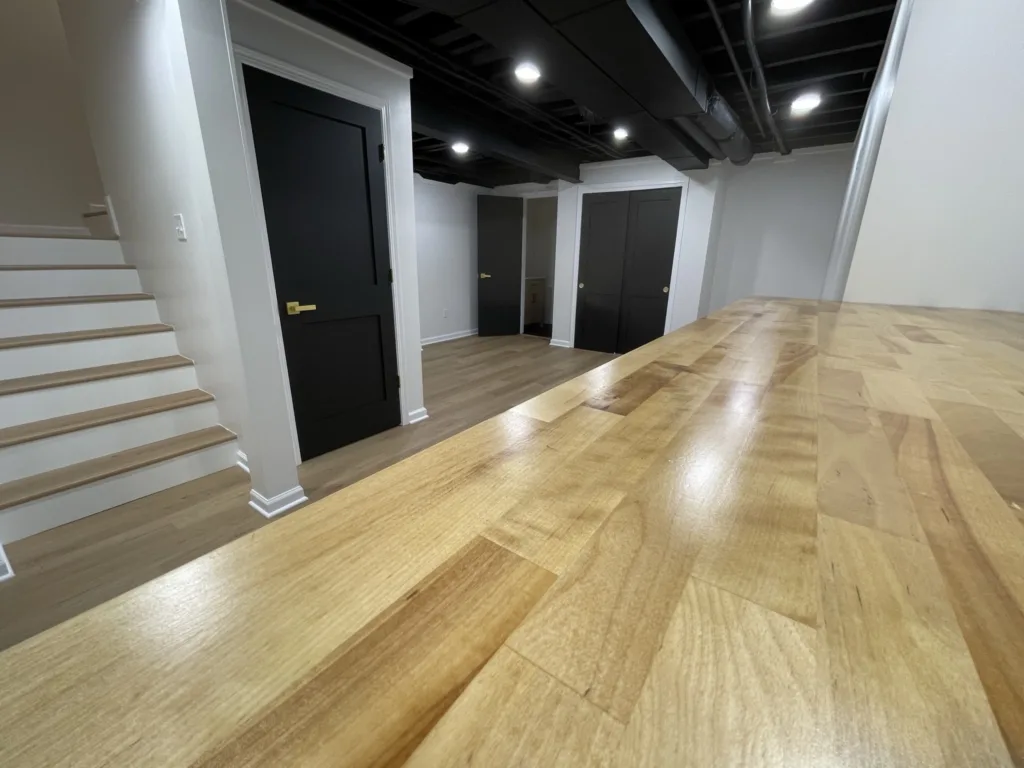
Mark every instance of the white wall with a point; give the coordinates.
(541, 223)
(139, 101)
(446, 253)
(48, 172)
(777, 222)
(943, 224)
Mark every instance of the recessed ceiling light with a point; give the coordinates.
(783, 7)
(460, 147)
(620, 134)
(804, 103)
(528, 73)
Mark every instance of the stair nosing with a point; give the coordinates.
(110, 416)
(69, 337)
(217, 435)
(57, 301)
(99, 373)
(62, 267)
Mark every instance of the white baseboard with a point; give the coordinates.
(43, 230)
(448, 337)
(279, 504)
(420, 414)
(6, 571)
(243, 461)
(561, 343)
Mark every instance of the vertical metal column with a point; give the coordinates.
(865, 155)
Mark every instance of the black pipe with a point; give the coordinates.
(755, 60)
(735, 64)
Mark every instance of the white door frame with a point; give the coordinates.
(626, 186)
(247, 56)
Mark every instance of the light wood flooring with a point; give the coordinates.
(65, 571)
(789, 534)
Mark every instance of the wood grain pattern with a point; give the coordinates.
(785, 535)
(992, 445)
(895, 679)
(515, 714)
(976, 541)
(732, 684)
(372, 701)
(857, 478)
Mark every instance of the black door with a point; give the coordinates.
(500, 263)
(650, 247)
(603, 229)
(627, 243)
(322, 177)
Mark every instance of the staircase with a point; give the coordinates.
(97, 407)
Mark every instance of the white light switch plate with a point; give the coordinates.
(179, 227)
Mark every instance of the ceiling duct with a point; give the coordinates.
(627, 60)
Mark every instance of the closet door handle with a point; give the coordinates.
(581, 285)
(665, 289)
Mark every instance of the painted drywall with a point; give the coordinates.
(446, 253)
(49, 170)
(942, 225)
(778, 218)
(541, 223)
(140, 105)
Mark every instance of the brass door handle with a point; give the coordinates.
(294, 308)
(484, 276)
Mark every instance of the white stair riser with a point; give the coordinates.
(42, 404)
(41, 515)
(43, 283)
(15, 251)
(69, 356)
(29, 321)
(18, 461)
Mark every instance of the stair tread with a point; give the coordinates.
(37, 430)
(43, 267)
(66, 478)
(82, 375)
(58, 300)
(13, 342)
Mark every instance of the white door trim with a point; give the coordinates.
(625, 186)
(243, 55)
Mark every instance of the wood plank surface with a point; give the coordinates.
(374, 699)
(787, 534)
(732, 684)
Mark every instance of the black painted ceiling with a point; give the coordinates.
(463, 86)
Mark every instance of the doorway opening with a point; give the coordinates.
(320, 162)
(539, 265)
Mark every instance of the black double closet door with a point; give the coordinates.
(627, 242)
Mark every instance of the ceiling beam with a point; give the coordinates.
(449, 125)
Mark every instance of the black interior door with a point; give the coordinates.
(603, 228)
(650, 247)
(500, 264)
(322, 178)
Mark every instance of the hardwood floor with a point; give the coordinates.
(788, 534)
(67, 570)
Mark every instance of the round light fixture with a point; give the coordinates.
(527, 72)
(620, 134)
(784, 7)
(804, 103)
(460, 147)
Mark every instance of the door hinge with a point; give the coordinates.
(391, 275)
(398, 378)
(380, 152)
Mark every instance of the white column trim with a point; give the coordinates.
(279, 504)
(6, 571)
